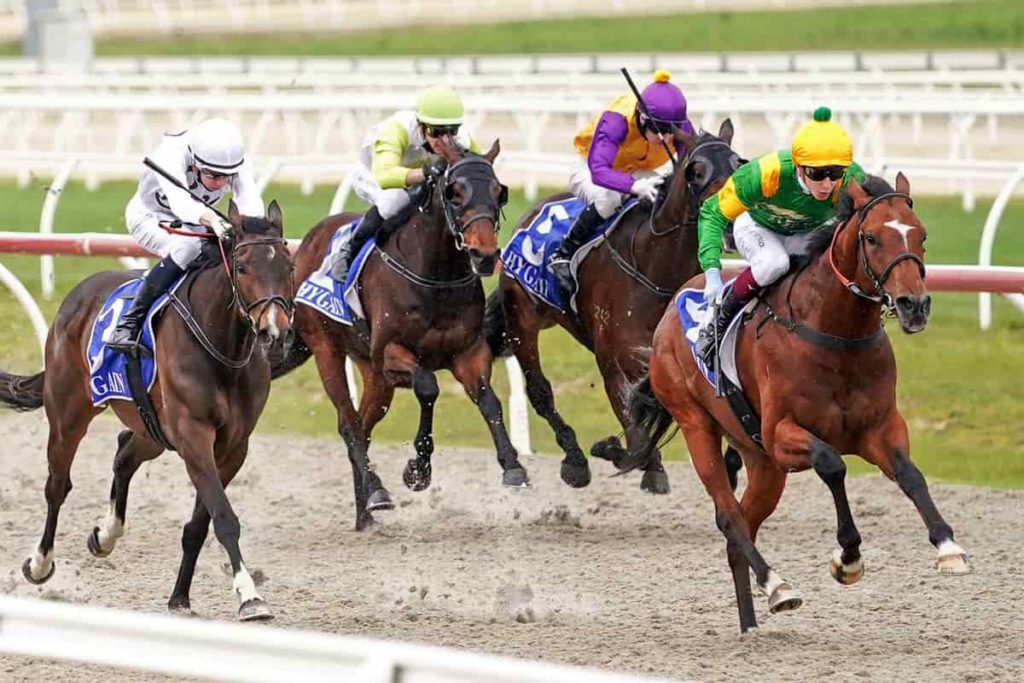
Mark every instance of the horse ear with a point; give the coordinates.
(857, 194)
(725, 131)
(493, 152)
(274, 215)
(683, 140)
(234, 217)
(902, 184)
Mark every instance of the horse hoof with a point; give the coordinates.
(609, 449)
(26, 569)
(515, 476)
(846, 574)
(181, 608)
(379, 500)
(576, 476)
(784, 599)
(952, 561)
(94, 543)
(365, 521)
(254, 610)
(655, 482)
(416, 477)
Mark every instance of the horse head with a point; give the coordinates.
(471, 198)
(261, 271)
(708, 162)
(888, 239)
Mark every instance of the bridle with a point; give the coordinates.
(877, 280)
(453, 214)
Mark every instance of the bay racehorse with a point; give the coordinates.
(424, 309)
(623, 288)
(212, 383)
(817, 366)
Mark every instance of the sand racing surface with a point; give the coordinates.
(606, 576)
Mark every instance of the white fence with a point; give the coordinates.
(148, 17)
(237, 652)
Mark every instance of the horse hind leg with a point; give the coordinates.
(69, 418)
(132, 451)
(376, 400)
(193, 535)
(416, 474)
(654, 479)
(575, 470)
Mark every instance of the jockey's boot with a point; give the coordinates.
(158, 280)
(366, 229)
(558, 262)
(715, 329)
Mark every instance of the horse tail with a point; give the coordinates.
(496, 324)
(647, 413)
(283, 363)
(21, 392)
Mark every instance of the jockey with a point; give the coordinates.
(400, 153)
(208, 159)
(620, 155)
(773, 202)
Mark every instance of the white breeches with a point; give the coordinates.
(604, 200)
(183, 250)
(766, 251)
(388, 202)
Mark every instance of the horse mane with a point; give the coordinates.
(210, 255)
(821, 238)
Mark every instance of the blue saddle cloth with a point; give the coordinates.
(107, 376)
(339, 301)
(692, 310)
(525, 258)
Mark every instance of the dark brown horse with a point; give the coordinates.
(424, 309)
(820, 372)
(207, 406)
(623, 288)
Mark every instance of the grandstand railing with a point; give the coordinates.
(216, 650)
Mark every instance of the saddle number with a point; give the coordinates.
(532, 254)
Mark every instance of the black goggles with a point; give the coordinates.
(819, 173)
(440, 131)
(660, 127)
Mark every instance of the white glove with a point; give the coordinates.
(221, 228)
(712, 285)
(647, 188)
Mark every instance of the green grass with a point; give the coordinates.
(987, 23)
(960, 389)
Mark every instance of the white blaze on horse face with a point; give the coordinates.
(902, 228)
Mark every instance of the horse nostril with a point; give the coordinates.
(289, 338)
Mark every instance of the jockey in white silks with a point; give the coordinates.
(208, 159)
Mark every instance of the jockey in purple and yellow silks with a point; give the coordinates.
(620, 155)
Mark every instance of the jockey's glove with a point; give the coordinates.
(712, 284)
(433, 168)
(221, 228)
(647, 188)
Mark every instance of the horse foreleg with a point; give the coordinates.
(196, 444)
(888, 448)
(575, 468)
(417, 472)
(795, 446)
(473, 370)
(132, 451)
(194, 534)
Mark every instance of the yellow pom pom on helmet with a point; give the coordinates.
(822, 142)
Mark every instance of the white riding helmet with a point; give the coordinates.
(216, 145)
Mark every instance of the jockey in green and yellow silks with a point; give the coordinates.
(773, 202)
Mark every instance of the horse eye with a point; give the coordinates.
(870, 238)
(734, 162)
(241, 268)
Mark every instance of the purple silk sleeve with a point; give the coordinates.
(609, 133)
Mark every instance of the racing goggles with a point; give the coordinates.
(215, 175)
(440, 131)
(819, 173)
(658, 126)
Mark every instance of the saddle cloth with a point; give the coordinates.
(107, 375)
(525, 258)
(339, 301)
(692, 310)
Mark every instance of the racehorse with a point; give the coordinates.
(424, 308)
(819, 370)
(623, 287)
(212, 384)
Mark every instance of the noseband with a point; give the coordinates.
(882, 297)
